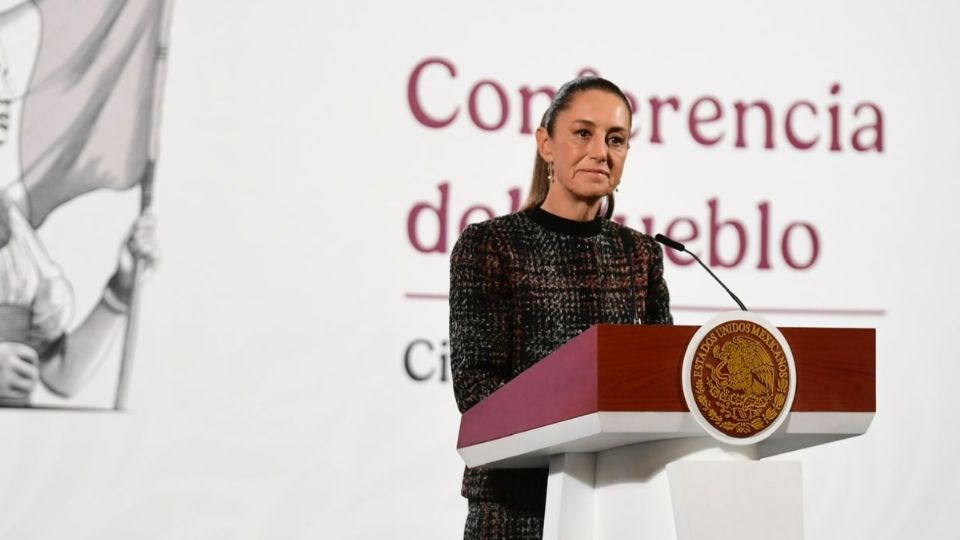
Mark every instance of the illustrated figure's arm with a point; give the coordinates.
(67, 363)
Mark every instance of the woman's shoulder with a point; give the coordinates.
(642, 241)
(507, 222)
(497, 229)
(488, 244)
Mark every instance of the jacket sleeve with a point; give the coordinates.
(480, 323)
(657, 309)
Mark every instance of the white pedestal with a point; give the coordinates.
(681, 489)
(748, 500)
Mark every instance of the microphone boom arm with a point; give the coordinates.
(669, 242)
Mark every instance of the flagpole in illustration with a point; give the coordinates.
(146, 200)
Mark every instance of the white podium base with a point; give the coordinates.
(680, 489)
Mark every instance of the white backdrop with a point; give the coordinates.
(270, 397)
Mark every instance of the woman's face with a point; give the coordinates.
(588, 146)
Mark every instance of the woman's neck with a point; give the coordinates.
(577, 210)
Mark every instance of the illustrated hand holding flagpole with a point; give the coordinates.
(139, 254)
(143, 260)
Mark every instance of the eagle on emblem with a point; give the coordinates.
(744, 366)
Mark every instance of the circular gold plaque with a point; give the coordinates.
(739, 376)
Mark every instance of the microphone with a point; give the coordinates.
(671, 243)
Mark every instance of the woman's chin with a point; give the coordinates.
(594, 195)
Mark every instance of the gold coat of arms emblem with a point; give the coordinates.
(739, 376)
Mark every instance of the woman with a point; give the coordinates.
(524, 284)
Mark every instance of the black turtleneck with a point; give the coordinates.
(562, 225)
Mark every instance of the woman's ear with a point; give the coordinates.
(544, 144)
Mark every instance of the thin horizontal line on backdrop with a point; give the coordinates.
(717, 309)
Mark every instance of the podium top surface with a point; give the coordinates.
(637, 368)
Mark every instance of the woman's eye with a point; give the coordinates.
(616, 141)
(583, 133)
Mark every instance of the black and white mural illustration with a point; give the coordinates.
(79, 94)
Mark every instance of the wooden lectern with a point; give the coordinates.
(606, 413)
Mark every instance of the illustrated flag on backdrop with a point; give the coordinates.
(88, 110)
(80, 88)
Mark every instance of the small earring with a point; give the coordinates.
(550, 172)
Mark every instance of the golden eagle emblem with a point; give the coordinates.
(744, 366)
(740, 378)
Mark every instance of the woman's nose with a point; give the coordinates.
(598, 148)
